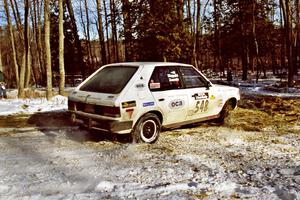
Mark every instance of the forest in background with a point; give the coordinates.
(44, 41)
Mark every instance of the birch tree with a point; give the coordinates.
(48, 49)
(61, 48)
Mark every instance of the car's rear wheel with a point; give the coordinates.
(147, 129)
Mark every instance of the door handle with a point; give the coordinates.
(161, 99)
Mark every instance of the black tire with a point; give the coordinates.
(147, 129)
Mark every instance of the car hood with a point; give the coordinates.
(228, 89)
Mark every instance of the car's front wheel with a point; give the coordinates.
(147, 129)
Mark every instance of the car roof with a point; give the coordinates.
(149, 64)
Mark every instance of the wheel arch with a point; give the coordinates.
(156, 112)
(232, 102)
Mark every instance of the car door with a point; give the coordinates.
(202, 100)
(166, 88)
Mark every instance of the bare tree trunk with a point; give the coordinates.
(258, 63)
(1, 65)
(106, 27)
(27, 44)
(244, 29)
(21, 93)
(61, 49)
(114, 30)
(197, 34)
(33, 49)
(127, 30)
(40, 46)
(100, 33)
(15, 63)
(217, 36)
(282, 47)
(297, 37)
(112, 18)
(48, 49)
(85, 35)
(88, 33)
(36, 27)
(287, 15)
(189, 14)
(17, 18)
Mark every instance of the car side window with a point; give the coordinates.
(191, 78)
(165, 78)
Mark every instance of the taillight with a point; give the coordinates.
(111, 111)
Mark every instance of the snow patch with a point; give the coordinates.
(4, 189)
(226, 188)
(30, 106)
(105, 186)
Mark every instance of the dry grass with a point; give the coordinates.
(266, 113)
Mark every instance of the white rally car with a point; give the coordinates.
(140, 98)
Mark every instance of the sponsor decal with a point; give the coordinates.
(128, 104)
(200, 96)
(129, 111)
(147, 104)
(173, 76)
(140, 86)
(176, 104)
(154, 85)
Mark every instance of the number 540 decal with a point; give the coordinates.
(202, 106)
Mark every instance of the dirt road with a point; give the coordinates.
(44, 157)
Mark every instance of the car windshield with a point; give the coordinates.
(110, 79)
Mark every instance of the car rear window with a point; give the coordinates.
(110, 79)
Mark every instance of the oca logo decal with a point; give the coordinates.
(176, 104)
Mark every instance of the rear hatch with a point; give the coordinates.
(98, 93)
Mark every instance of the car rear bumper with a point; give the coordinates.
(97, 122)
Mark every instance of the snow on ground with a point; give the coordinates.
(30, 106)
(270, 86)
